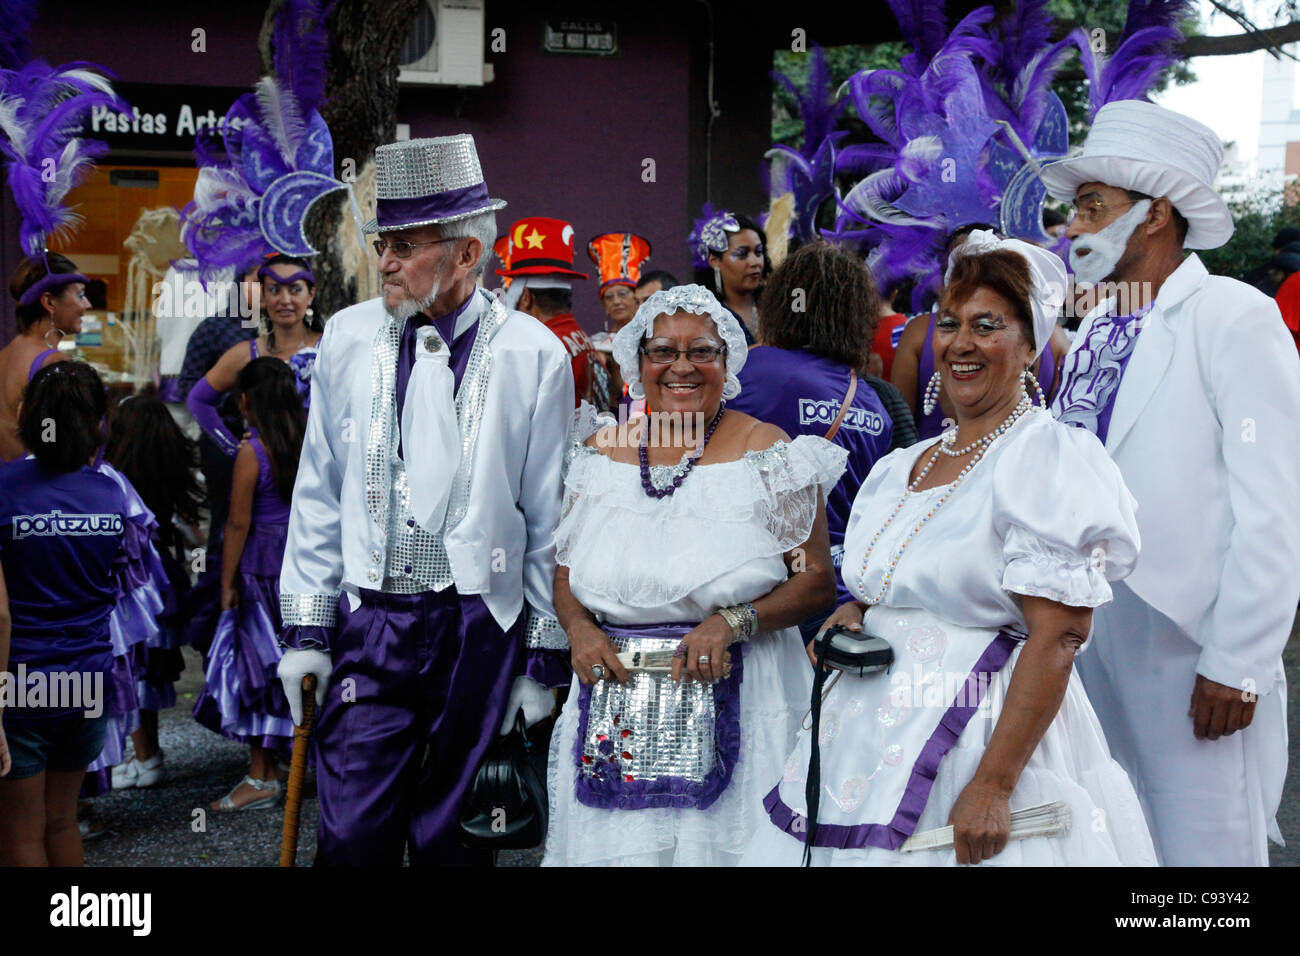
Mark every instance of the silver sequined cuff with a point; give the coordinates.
(544, 633)
(309, 610)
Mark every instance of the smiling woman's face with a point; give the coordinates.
(680, 385)
(981, 352)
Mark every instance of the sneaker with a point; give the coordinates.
(139, 773)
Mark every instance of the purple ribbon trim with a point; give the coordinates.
(45, 283)
(394, 213)
(611, 791)
(892, 835)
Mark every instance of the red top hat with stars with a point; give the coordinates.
(538, 246)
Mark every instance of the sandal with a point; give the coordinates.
(227, 803)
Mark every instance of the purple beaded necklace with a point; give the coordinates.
(647, 484)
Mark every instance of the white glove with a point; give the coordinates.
(532, 698)
(294, 666)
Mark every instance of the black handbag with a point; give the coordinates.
(505, 807)
(853, 653)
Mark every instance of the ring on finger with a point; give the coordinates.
(597, 671)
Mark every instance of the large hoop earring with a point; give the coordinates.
(1033, 379)
(931, 399)
(46, 337)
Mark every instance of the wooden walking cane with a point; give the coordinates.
(297, 771)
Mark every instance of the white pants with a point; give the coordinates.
(1208, 802)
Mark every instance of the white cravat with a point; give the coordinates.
(430, 430)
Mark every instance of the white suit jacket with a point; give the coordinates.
(1206, 432)
(502, 548)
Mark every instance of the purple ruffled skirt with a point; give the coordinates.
(242, 698)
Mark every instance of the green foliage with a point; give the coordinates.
(1258, 218)
(843, 62)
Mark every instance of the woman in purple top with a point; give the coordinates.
(243, 699)
(62, 545)
(50, 303)
(291, 331)
(817, 318)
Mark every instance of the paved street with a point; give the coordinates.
(156, 827)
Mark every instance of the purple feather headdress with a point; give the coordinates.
(272, 159)
(710, 234)
(42, 112)
(1148, 46)
(808, 173)
(967, 120)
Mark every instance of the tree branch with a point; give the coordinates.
(1272, 39)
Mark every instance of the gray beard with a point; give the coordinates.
(412, 307)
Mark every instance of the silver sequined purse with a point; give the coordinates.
(653, 743)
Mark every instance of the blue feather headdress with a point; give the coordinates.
(42, 112)
(272, 158)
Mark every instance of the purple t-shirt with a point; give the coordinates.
(60, 536)
(802, 393)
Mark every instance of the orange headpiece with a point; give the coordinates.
(619, 256)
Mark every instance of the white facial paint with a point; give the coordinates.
(1105, 247)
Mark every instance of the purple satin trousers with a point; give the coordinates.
(419, 686)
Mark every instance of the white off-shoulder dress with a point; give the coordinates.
(636, 560)
(1045, 513)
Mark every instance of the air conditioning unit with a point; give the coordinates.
(445, 46)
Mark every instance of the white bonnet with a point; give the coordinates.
(683, 298)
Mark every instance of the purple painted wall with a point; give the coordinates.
(566, 136)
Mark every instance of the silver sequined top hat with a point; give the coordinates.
(424, 182)
(1144, 147)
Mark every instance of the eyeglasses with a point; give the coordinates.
(1092, 212)
(403, 249)
(617, 292)
(696, 354)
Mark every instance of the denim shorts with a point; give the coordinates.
(64, 745)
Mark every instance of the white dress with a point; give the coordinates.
(1045, 513)
(632, 559)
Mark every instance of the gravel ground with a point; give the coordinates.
(159, 826)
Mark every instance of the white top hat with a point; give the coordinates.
(1144, 147)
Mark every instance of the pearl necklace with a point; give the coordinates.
(984, 444)
(950, 437)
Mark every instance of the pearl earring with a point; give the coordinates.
(931, 398)
(1033, 379)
